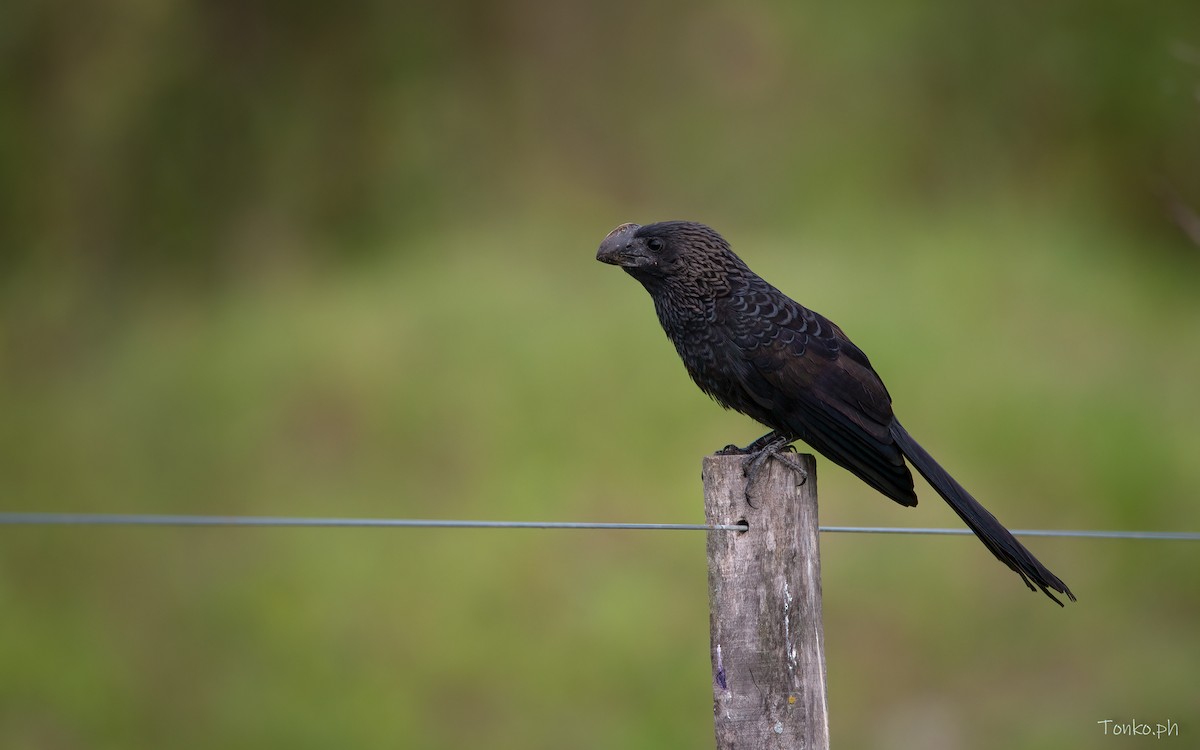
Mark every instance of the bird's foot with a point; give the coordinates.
(780, 449)
(772, 445)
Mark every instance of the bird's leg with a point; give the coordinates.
(772, 445)
(779, 447)
(755, 447)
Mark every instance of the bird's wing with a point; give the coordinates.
(817, 384)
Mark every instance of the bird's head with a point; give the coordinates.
(665, 249)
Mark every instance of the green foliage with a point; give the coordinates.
(297, 259)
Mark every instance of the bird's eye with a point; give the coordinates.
(655, 244)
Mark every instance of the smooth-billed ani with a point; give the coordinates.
(754, 349)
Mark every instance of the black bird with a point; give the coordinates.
(754, 349)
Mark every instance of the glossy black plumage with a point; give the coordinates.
(755, 350)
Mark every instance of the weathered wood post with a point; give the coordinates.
(768, 644)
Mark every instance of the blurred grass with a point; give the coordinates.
(491, 375)
(276, 259)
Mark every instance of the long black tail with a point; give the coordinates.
(990, 531)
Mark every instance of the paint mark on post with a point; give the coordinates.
(787, 627)
(721, 670)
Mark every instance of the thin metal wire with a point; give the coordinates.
(1192, 536)
(137, 519)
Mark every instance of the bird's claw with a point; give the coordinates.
(772, 445)
(782, 452)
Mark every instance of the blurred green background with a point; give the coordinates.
(338, 260)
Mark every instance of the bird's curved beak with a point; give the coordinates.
(619, 249)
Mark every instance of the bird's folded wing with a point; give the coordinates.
(821, 387)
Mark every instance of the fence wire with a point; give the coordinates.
(139, 519)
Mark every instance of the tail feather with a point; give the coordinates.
(990, 531)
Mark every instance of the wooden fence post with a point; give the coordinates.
(768, 644)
